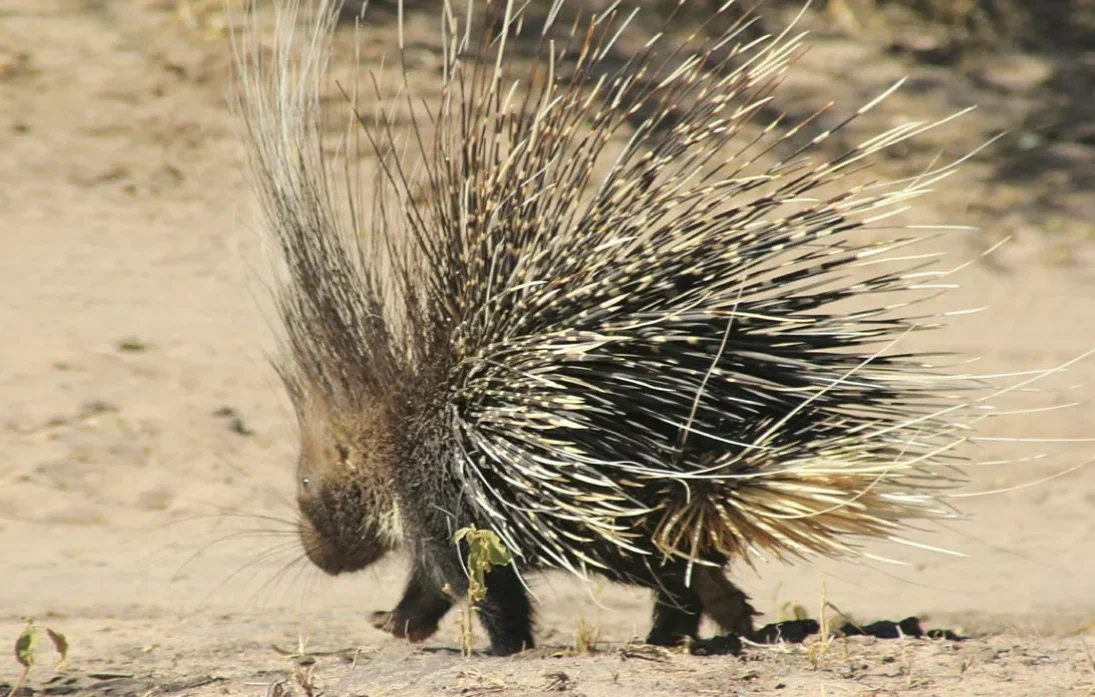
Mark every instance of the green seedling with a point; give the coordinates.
(484, 552)
(25, 647)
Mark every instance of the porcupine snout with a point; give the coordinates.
(335, 527)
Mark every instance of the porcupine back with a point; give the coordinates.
(614, 328)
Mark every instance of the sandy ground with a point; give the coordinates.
(144, 432)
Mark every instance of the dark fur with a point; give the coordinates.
(338, 534)
(433, 509)
(507, 616)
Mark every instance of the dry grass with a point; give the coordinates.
(586, 637)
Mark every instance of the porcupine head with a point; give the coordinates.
(348, 518)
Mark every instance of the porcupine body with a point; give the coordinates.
(609, 334)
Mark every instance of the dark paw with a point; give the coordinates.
(509, 649)
(667, 639)
(725, 645)
(389, 622)
(381, 620)
(662, 640)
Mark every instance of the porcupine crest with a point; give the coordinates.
(339, 361)
(614, 331)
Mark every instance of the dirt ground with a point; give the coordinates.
(144, 432)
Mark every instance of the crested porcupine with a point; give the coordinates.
(583, 315)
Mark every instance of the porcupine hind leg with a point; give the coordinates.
(677, 613)
(724, 602)
(418, 612)
(678, 608)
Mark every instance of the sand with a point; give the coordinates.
(144, 431)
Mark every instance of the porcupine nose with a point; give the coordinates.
(339, 548)
(318, 550)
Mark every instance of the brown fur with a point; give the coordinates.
(385, 622)
(724, 602)
(349, 516)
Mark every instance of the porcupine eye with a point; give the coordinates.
(335, 510)
(306, 481)
(306, 484)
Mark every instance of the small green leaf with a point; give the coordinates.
(25, 644)
(61, 644)
(485, 551)
(497, 553)
(462, 533)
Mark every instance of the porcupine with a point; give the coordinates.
(642, 371)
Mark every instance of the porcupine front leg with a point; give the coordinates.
(418, 612)
(506, 612)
